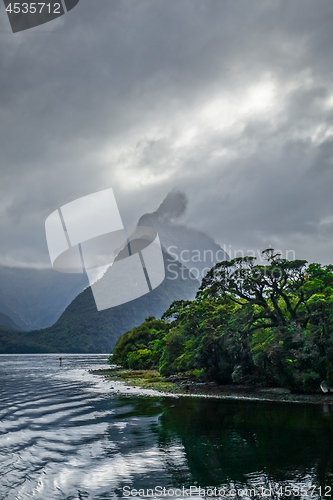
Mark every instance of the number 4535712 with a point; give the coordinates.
(33, 8)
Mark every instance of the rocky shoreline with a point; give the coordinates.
(184, 386)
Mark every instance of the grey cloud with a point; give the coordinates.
(105, 94)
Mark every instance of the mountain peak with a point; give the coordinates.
(173, 206)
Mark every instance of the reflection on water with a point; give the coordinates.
(65, 435)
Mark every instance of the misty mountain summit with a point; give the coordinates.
(80, 327)
(191, 247)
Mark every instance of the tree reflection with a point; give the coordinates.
(243, 442)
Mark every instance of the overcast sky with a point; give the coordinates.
(230, 101)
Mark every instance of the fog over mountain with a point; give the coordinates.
(82, 328)
(6, 321)
(35, 298)
(191, 247)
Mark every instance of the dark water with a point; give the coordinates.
(64, 434)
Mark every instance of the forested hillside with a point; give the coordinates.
(268, 324)
(84, 329)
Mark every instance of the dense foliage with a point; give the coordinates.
(250, 323)
(141, 347)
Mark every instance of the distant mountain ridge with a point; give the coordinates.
(81, 328)
(6, 321)
(35, 298)
(84, 329)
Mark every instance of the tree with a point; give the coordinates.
(268, 323)
(275, 288)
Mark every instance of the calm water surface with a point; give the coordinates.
(66, 434)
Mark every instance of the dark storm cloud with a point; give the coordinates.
(227, 100)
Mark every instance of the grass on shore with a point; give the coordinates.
(151, 379)
(146, 379)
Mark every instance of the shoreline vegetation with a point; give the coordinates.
(185, 386)
(251, 329)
